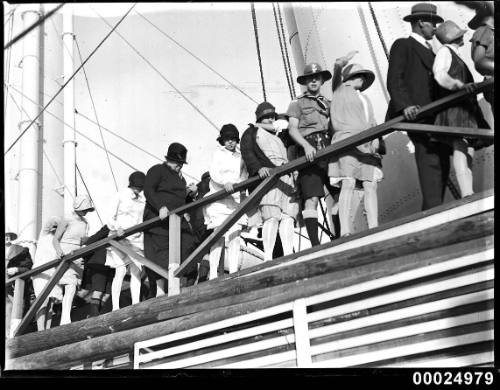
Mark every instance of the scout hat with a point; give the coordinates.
(423, 11)
(313, 68)
(227, 132)
(354, 70)
(136, 179)
(83, 203)
(264, 109)
(177, 153)
(448, 32)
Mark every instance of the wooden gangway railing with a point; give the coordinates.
(175, 268)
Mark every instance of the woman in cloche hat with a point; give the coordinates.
(452, 74)
(68, 238)
(350, 113)
(227, 168)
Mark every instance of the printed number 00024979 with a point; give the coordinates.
(450, 378)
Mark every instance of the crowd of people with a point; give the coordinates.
(416, 77)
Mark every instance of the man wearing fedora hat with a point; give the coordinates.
(309, 128)
(165, 189)
(411, 84)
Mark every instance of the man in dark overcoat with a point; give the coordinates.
(411, 85)
(165, 189)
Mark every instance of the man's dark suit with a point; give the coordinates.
(410, 82)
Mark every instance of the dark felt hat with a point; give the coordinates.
(264, 109)
(312, 69)
(228, 131)
(137, 179)
(423, 11)
(205, 176)
(177, 152)
(482, 8)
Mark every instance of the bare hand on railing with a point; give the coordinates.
(229, 187)
(120, 232)
(470, 87)
(310, 152)
(78, 262)
(264, 172)
(411, 112)
(163, 212)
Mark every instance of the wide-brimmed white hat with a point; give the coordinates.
(354, 70)
(82, 203)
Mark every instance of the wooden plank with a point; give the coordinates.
(302, 344)
(401, 295)
(63, 356)
(227, 292)
(261, 361)
(400, 332)
(455, 361)
(17, 306)
(61, 269)
(174, 253)
(215, 340)
(406, 350)
(446, 130)
(141, 259)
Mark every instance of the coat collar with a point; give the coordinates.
(426, 55)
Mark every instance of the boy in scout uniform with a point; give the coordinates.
(309, 128)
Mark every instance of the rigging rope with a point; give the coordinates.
(286, 51)
(33, 26)
(8, 56)
(372, 52)
(72, 128)
(160, 74)
(88, 192)
(379, 32)
(95, 113)
(89, 139)
(69, 79)
(254, 19)
(282, 51)
(196, 57)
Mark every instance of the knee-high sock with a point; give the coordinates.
(161, 287)
(286, 234)
(345, 200)
(269, 232)
(233, 251)
(41, 315)
(311, 222)
(94, 306)
(463, 172)
(69, 294)
(116, 286)
(371, 203)
(214, 258)
(135, 283)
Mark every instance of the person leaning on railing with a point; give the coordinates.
(451, 73)
(165, 189)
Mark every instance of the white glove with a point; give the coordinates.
(280, 125)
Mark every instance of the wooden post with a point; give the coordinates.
(301, 329)
(174, 253)
(17, 306)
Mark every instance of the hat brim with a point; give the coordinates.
(476, 21)
(220, 140)
(175, 160)
(267, 113)
(369, 77)
(12, 236)
(324, 73)
(423, 15)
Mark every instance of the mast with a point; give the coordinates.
(294, 38)
(69, 142)
(30, 146)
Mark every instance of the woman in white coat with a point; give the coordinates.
(127, 211)
(227, 168)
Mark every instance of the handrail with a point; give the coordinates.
(176, 269)
(337, 147)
